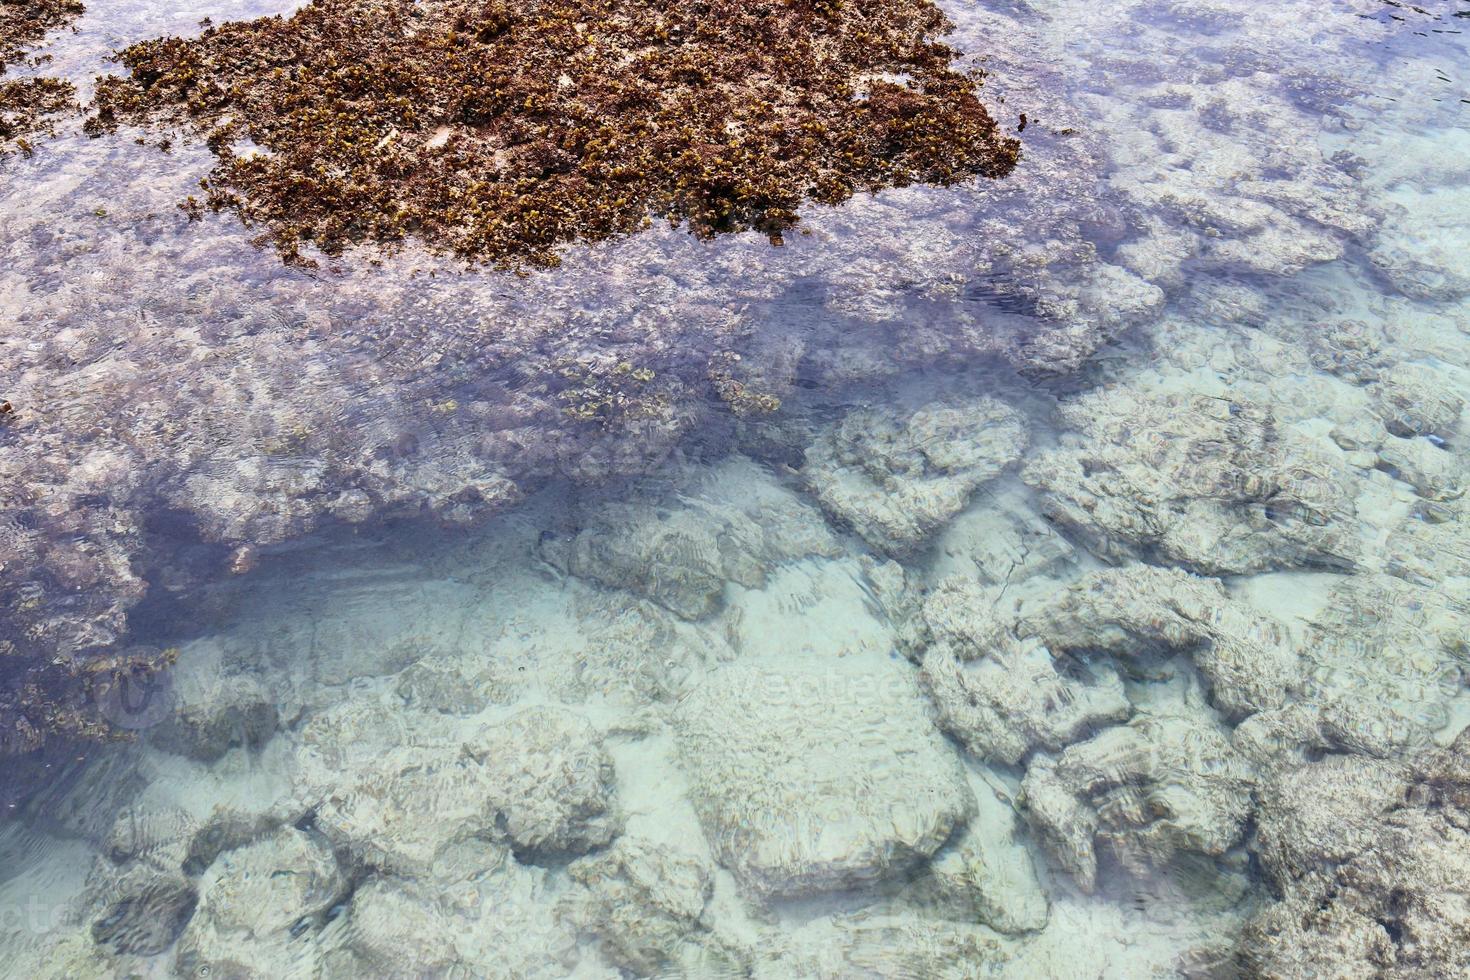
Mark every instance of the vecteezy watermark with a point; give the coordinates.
(34, 916)
(137, 699)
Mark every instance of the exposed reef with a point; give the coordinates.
(28, 106)
(502, 132)
(26, 22)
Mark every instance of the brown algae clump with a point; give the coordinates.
(500, 132)
(24, 22)
(28, 105)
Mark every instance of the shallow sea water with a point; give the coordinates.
(1093, 605)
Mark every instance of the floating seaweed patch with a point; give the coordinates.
(501, 132)
(29, 106)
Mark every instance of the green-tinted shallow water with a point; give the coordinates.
(1093, 605)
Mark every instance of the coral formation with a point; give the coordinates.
(503, 132)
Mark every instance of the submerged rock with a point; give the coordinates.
(998, 539)
(212, 714)
(449, 685)
(895, 478)
(1005, 697)
(1381, 893)
(878, 946)
(680, 545)
(1210, 483)
(1009, 700)
(1382, 662)
(1433, 472)
(815, 777)
(985, 874)
(396, 931)
(549, 781)
(256, 901)
(496, 923)
(1232, 179)
(1247, 657)
(642, 901)
(1354, 350)
(1318, 815)
(1144, 792)
(1417, 400)
(161, 837)
(1419, 251)
(148, 911)
(399, 790)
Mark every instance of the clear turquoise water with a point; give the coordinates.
(1118, 502)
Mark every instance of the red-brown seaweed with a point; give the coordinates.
(29, 105)
(501, 132)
